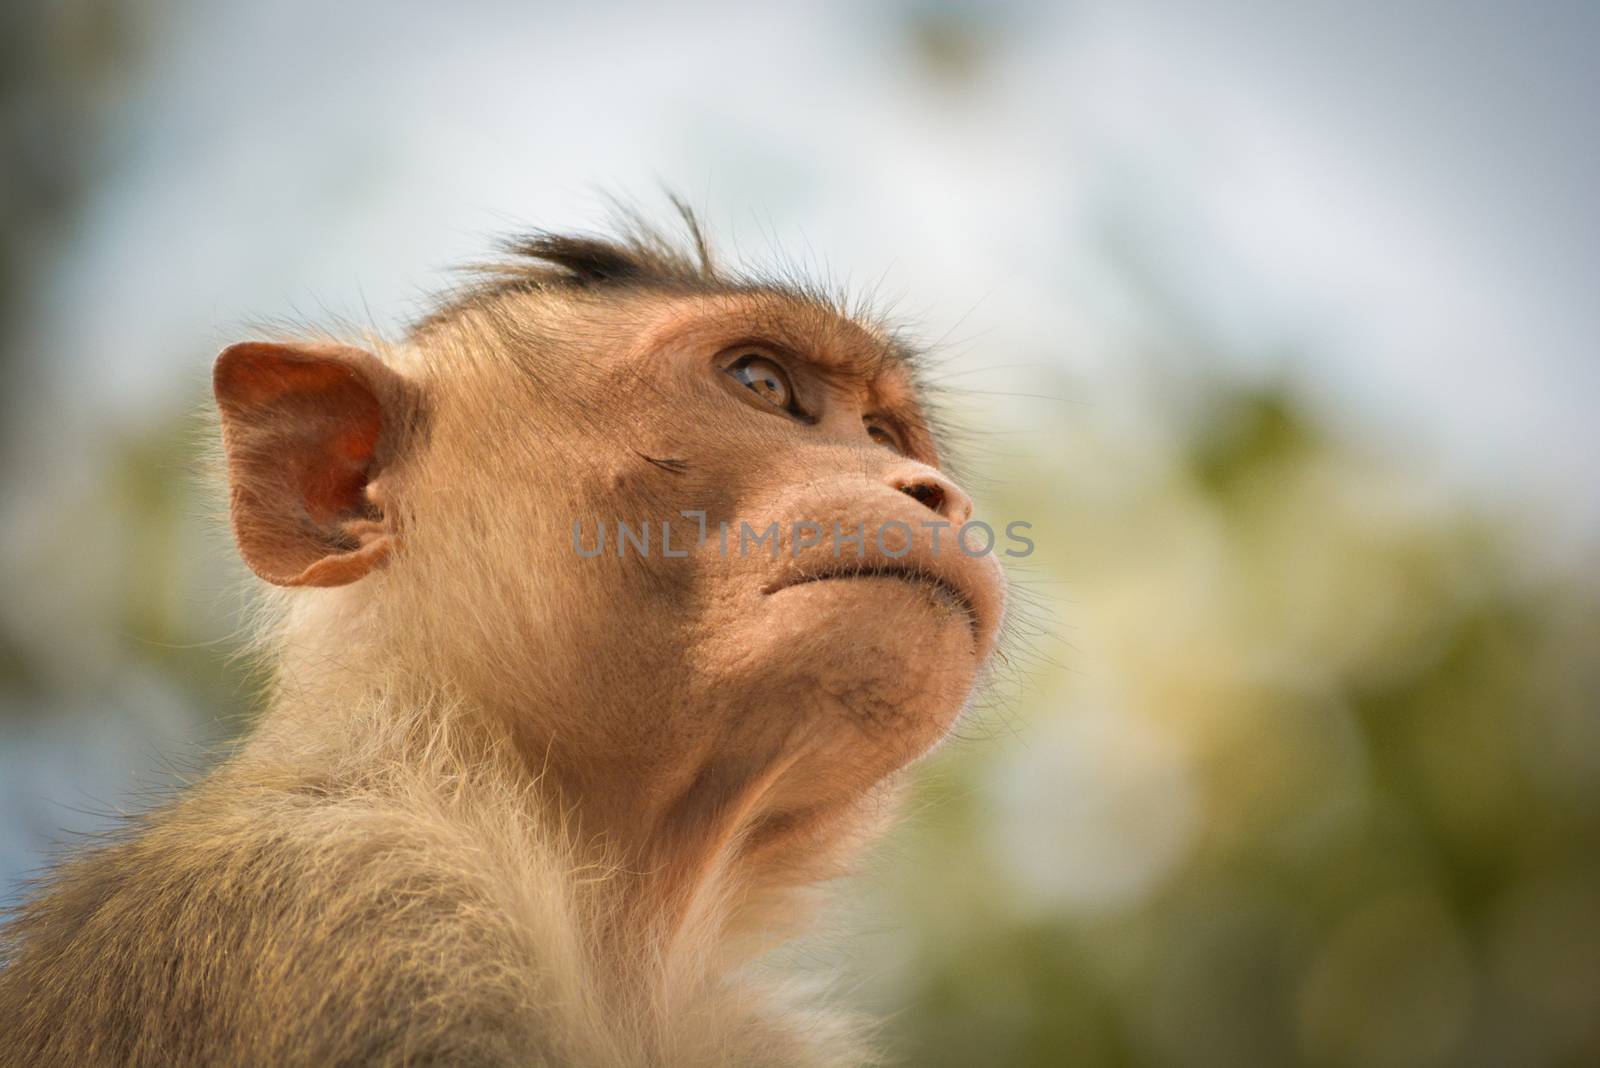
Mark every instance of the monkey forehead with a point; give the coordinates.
(844, 346)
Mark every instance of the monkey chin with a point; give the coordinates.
(893, 656)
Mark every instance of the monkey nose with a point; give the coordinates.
(937, 494)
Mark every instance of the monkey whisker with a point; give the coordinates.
(676, 467)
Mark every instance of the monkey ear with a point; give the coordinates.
(306, 430)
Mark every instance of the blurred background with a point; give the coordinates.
(1277, 321)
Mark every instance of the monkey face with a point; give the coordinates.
(695, 549)
(769, 529)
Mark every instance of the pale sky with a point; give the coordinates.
(1395, 199)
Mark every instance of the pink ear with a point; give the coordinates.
(306, 429)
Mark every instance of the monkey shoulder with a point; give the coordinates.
(268, 926)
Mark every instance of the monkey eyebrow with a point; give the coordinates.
(676, 467)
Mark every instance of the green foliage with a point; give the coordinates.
(1340, 738)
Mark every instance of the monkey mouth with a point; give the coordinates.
(943, 590)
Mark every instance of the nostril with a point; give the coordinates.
(929, 494)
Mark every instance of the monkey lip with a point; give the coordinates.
(944, 590)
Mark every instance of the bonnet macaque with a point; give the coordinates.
(607, 607)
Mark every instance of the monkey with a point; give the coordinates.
(506, 803)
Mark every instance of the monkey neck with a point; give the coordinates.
(695, 857)
(705, 844)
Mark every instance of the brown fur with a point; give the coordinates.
(507, 805)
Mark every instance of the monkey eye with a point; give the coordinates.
(883, 434)
(763, 377)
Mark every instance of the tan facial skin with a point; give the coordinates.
(798, 697)
(710, 729)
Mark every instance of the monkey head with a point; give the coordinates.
(686, 539)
